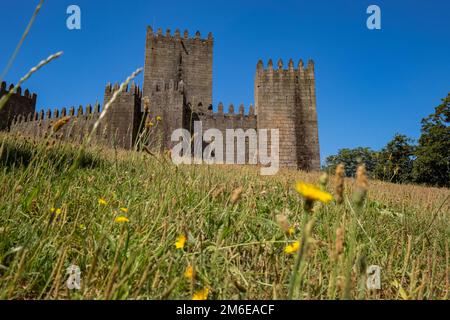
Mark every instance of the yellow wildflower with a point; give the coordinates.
(121, 219)
(180, 242)
(201, 294)
(56, 211)
(124, 210)
(292, 248)
(102, 202)
(312, 193)
(158, 118)
(291, 231)
(189, 273)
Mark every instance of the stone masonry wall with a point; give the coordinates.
(175, 57)
(285, 100)
(167, 102)
(275, 98)
(119, 128)
(39, 125)
(123, 119)
(17, 104)
(232, 120)
(309, 151)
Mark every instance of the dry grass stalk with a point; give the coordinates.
(33, 70)
(60, 123)
(283, 222)
(339, 183)
(22, 39)
(361, 186)
(340, 238)
(236, 195)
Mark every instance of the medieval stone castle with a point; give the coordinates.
(178, 89)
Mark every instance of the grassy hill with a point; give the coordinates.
(237, 226)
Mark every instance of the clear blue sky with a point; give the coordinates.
(370, 84)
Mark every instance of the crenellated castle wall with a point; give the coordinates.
(40, 124)
(232, 119)
(119, 128)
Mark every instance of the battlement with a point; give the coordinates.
(26, 93)
(286, 101)
(301, 69)
(233, 119)
(133, 89)
(232, 111)
(78, 123)
(56, 114)
(177, 35)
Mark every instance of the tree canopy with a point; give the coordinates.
(401, 161)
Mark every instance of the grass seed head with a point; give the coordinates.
(236, 195)
(340, 238)
(283, 222)
(323, 181)
(146, 102)
(339, 183)
(60, 123)
(362, 184)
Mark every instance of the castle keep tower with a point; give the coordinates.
(180, 58)
(286, 100)
(177, 79)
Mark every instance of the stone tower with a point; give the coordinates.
(180, 58)
(286, 100)
(122, 121)
(178, 78)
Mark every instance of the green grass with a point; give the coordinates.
(236, 249)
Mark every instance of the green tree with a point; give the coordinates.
(432, 165)
(395, 160)
(351, 158)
